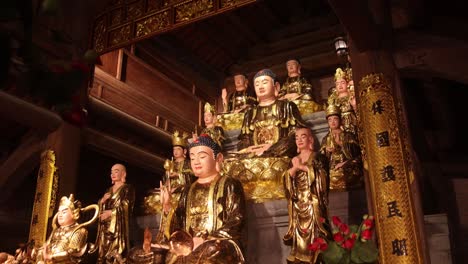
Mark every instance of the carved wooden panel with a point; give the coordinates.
(126, 22)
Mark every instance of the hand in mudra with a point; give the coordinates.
(165, 196)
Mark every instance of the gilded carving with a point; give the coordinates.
(135, 9)
(231, 121)
(152, 23)
(44, 202)
(193, 9)
(99, 34)
(119, 35)
(116, 17)
(388, 172)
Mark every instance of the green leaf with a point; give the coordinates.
(334, 254)
(356, 252)
(353, 229)
(368, 252)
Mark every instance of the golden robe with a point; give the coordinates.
(216, 133)
(297, 85)
(214, 211)
(237, 100)
(350, 175)
(348, 115)
(273, 124)
(66, 244)
(307, 194)
(113, 233)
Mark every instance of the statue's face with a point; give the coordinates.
(304, 139)
(178, 152)
(333, 121)
(203, 161)
(208, 117)
(264, 88)
(293, 68)
(65, 216)
(341, 86)
(240, 82)
(118, 173)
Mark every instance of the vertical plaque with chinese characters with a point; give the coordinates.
(44, 200)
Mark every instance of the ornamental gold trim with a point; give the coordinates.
(386, 146)
(125, 22)
(45, 197)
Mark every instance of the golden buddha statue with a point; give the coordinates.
(343, 153)
(116, 208)
(268, 128)
(211, 211)
(241, 99)
(306, 188)
(68, 241)
(344, 99)
(214, 131)
(297, 89)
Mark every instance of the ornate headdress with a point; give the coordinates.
(333, 110)
(207, 141)
(74, 206)
(209, 108)
(349, 74)
(340, 74)
(265, 72)
(179, 140)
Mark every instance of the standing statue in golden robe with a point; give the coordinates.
(344, 99)
(306, 187)
(116, 208)
(210, 213)
(343, 154)
(241, 99)
(268, 128)
(67, 243)
(214, 131)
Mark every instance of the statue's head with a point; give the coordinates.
(69, 211)
(118, 173)
(293, 66)
(304, 139)
(264, 82)
(333, 114)
(205, 156)
(209, 115)
(179, 144)
(341, 81)
(240, 82)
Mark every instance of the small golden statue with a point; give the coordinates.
(344, 99)
(116, 206)
(297, 89)
(306, 188)
(214, 131)
(68, 241)
(343, 154)
(241, 99)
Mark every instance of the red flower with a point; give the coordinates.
(368, 223)
(353, 235)
(344, 228)
(318, 244)
(314, 246)
(336, 221)
(338, 237)
(366, 234)
(349, 243)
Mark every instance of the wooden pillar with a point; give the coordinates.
(384, 132)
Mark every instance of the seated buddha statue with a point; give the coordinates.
(68, 241)
(297, 89)
(344, 99)
(342, 152)
(215, 132)
(268, 128)
(241, 99)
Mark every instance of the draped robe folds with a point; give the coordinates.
(113, 233)
(307, 195)
(273, 124)
(298, 85)
(214, 211)
(237, 100)
(66, 244)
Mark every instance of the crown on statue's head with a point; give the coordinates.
(209, 108)
(340, 74)
(179, 139)
(72, 204)
(333, 110)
